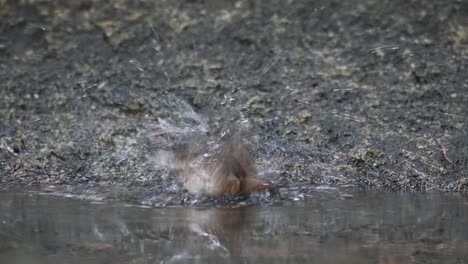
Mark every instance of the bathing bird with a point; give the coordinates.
(225, 169)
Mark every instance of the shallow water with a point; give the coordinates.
(335, 226)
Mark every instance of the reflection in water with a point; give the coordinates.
(364, 227)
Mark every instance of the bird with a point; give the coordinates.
(225, 169)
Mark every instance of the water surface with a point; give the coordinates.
(333, 226)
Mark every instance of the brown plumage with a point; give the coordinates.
(228, 170)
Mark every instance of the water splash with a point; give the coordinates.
(183, 118)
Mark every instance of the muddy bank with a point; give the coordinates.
(373, 94)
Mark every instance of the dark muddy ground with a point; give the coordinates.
(353, 93)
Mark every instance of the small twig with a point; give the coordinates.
(40, 172)
(444, 151)
(14, 168)
(160, 133)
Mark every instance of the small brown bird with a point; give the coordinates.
(227, 170)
